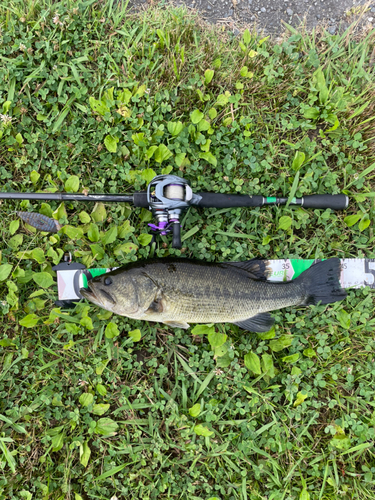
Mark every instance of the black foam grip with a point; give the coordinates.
(218, 200)
(140, 199)
(333, 201)
(176, 241)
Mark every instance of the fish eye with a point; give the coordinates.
(107, 281)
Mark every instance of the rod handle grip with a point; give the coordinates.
(333, 201)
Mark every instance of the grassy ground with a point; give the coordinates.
(95, 98)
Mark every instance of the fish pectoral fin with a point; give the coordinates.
(157, 305)
(254, 268)
(177, 324)
(260, 323)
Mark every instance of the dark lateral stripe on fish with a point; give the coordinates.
(41, 222)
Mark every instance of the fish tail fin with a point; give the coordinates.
(322, 283)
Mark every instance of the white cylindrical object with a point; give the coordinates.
(174, 192)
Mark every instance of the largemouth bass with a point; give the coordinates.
(177, 292)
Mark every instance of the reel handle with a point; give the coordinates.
(176, 240)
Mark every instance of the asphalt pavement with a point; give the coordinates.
(268, 15)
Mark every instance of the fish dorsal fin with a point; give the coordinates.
(256, 269)
(260, 323)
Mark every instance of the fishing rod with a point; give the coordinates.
(167, 196)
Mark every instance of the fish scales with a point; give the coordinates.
(206, 294)
(180, 291)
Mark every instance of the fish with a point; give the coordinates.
(179, 291)
(41, 222)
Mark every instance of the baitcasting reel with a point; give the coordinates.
(167, 197)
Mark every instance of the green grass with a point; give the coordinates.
(295, 113)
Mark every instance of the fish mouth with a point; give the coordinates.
(89, 293)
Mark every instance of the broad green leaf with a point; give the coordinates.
(125, 248)
(16, 241)
(222, 100)
(300, 399)
(111, 330)
(124, 96)
(148, 174)
(344, 318)
(252, 54)
(309, 353)
(203, 330)
(19, 139)
(195, 410)
(162, 154)
(110, 143)
(196, 116)
(13, 226)
(73, 232)
(244, 71)
(98, 106)
(135, 335)
(84, 453)
(99, 212)
(212, 113)
(151, 150)
(101, 389)
(101, 367)
(208, 75)
(109, 236)
(298, 160)
(281, 343)
(350, 220)
(267, 365)
(304, 495)
(285, 222)
(86, 399)
(34, 177)
(246, 37)
(319, 79)
(179, 159)
(202, 431)
(252, 363)
(209, 157)
(43, 279)
(311, 113)
(29, 321)
(93, 232)
(72, 184)
(216, 339)
(57, 441)
(144, 239)
(106, 427)
(364, 222)
(38, 255)
(84, 217)
(60, 212)
(100, 409)
(291, 359)
(203, 125)
(175, 128)
(5, 270)
(267, 335)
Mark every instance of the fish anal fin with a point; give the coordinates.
(255, 268)
(177, 324)
(260, 323)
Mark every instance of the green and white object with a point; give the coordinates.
(355, 273)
